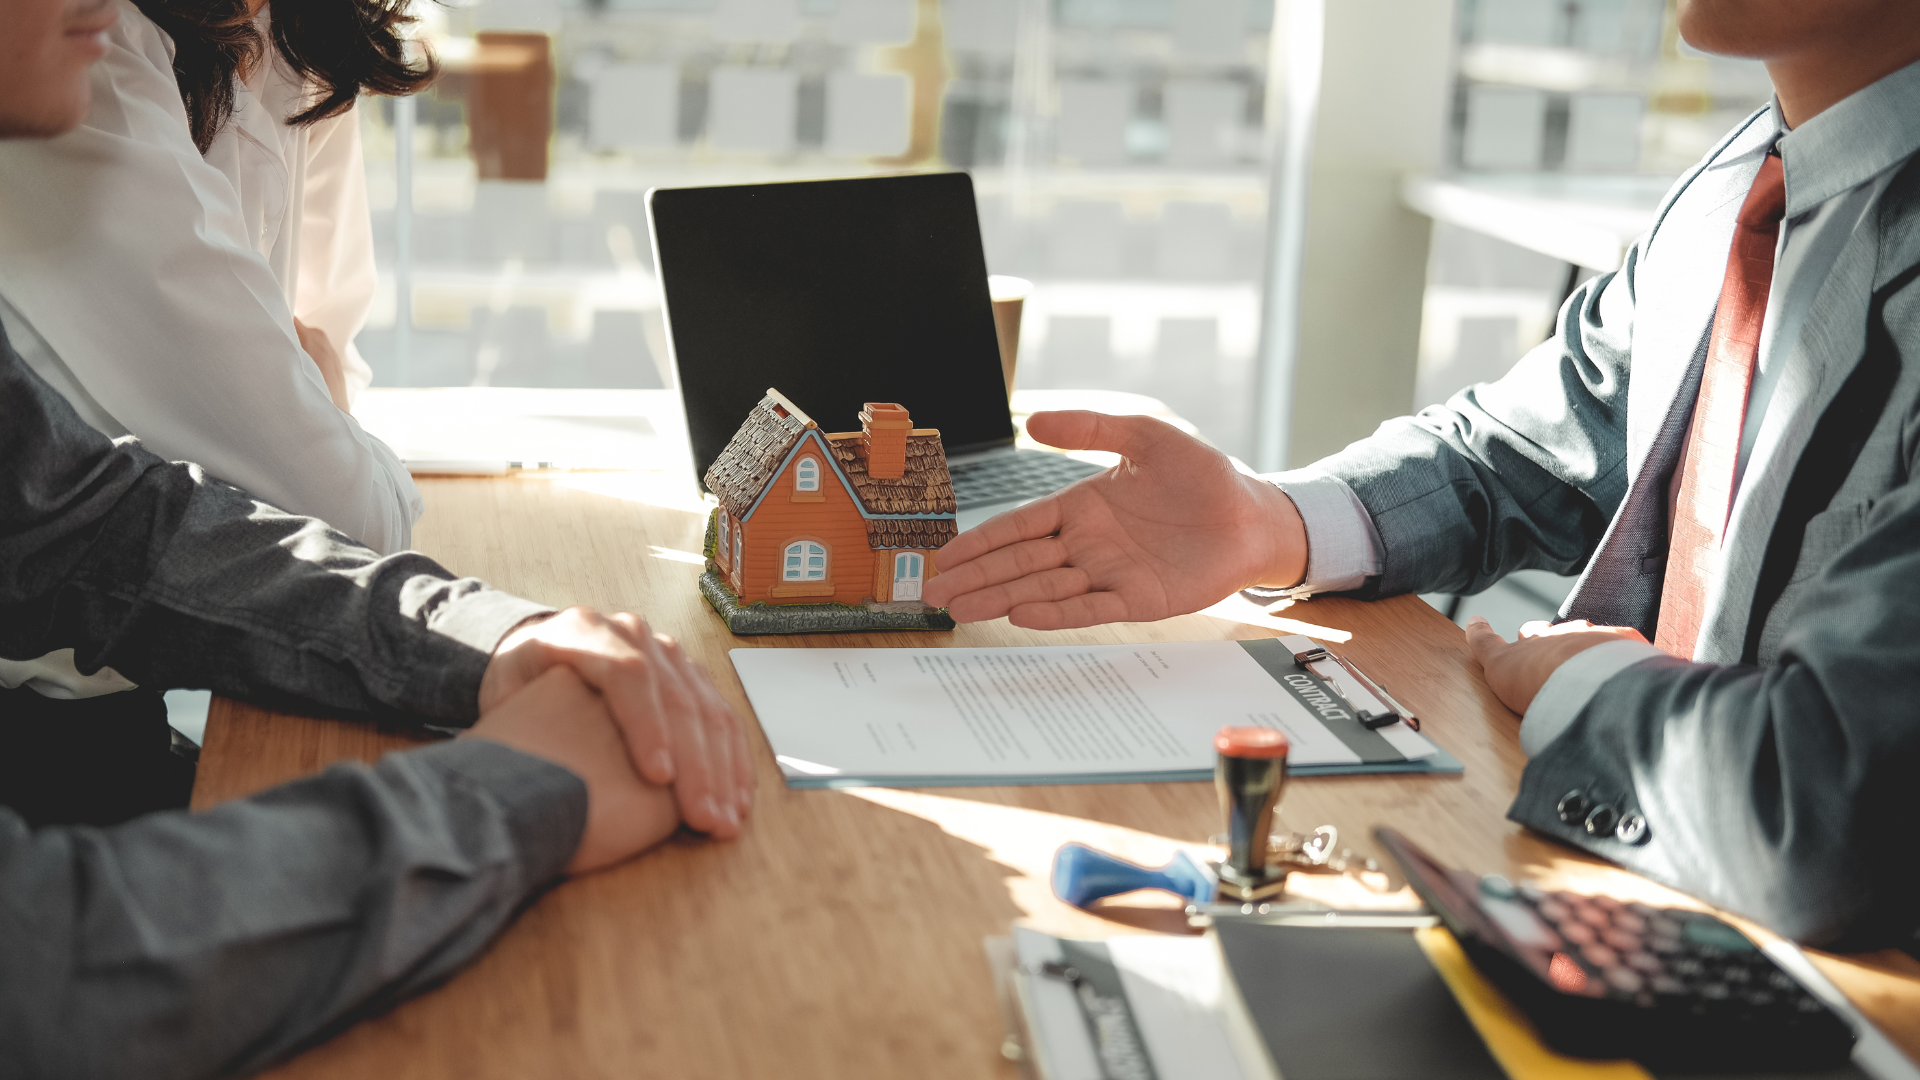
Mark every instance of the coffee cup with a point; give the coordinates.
(1009, 296)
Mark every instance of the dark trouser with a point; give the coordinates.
(94, 761)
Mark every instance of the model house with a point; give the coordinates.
(807, 517)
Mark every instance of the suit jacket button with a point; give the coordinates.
(1573, 807)
(1600, 820)
(1632, 829)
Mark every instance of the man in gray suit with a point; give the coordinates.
(1720, 438)
(180, 945)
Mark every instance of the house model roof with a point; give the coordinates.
(754, 456)
(925, 489)
(898, 511)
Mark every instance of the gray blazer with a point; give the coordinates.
(1768, 773)
(189, 945)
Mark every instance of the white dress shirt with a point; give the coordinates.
(1836, 165)
(156, 290)
(303, 201)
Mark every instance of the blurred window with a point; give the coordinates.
(1116, 146)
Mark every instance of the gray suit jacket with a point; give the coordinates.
(187, 945)
(1769, 772)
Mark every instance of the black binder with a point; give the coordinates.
(1351, 1003)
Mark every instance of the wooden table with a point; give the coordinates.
(841, 935)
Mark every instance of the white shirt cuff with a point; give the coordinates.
(1343, 548)
(1572, 685)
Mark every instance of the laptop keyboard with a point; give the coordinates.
(1023, 474)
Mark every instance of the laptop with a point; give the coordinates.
(836, 293)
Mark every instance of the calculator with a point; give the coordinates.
(1599, 978)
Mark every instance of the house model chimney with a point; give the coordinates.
(883, 431)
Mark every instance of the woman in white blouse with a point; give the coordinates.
(192, 264)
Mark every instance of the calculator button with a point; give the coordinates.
(1667, 984)
(1662, 925)
(1780, 980)
(1625, 980)
(1630, 920)
(1578, 932)
(1600, 956)
(1552, 910)
(1687, 967)
(1497, 887)
(1713, 991)
(1620, 939)
(1806, 1004)
(1594, 916)
(1646, 962)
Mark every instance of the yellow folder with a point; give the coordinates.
(1506, 1030)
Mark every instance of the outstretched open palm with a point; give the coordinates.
(1171, 529)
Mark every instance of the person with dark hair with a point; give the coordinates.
(246, 69)
(221, 156)
(336, 50)
(186, 945)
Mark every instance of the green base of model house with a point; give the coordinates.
(810, 618)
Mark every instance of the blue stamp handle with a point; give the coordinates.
(1082, 875)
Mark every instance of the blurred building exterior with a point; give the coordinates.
(1601, 96)
(1117, 148)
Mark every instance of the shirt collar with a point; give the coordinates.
(1851, 142)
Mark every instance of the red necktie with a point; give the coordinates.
(1702, 490)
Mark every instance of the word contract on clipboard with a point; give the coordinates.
(1058, 714)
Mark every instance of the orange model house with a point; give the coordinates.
(811, 518)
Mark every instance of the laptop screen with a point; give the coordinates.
(836, 293)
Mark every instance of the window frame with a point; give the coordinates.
(806, 475)
(799, 548)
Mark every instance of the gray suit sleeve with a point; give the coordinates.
(1782, 792)
(191, 945)
(1523, 473)
(176, 579)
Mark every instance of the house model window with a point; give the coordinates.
(806, 561)
(737, 569)
(726, 539)
(807, 476)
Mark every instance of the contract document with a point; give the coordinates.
(1053, 714)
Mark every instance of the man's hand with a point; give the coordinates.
(676, 728)
(1172, 528)
(560, 719)
(1516, 670)
(332, 365)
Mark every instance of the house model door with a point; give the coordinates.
(906, 576)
